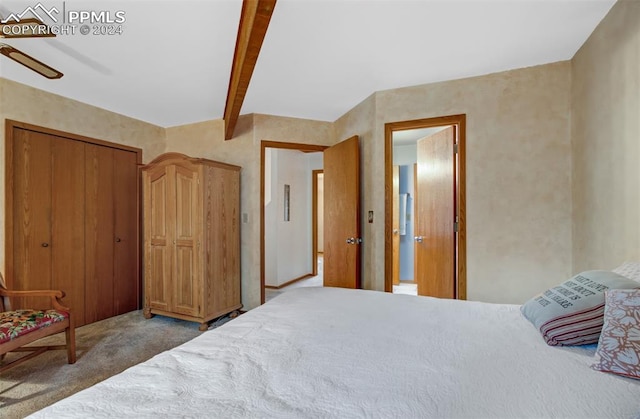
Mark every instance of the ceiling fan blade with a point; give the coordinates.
(29, 62)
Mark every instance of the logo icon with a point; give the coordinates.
(37, 11)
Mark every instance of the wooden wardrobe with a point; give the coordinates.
(72, 220)
(191, 238)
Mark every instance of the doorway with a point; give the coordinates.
(425, 206)
(285, 204)
(341, 209)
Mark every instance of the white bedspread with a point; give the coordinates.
(334, 353)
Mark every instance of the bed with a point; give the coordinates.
(337, 353)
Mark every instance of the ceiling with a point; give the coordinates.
(320, 58)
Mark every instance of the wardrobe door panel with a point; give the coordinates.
(158, 240)
(125, 281)
(68, 226)
(99, 233)
(187, 281)
(31, 209)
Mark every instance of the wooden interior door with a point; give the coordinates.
(396, 225)
(342, 240)
(31, 213)
(187, 281)
(436, 212)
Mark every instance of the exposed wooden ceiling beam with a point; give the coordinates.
(254, 21)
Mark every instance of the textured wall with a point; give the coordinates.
(606, 142)
(26, 104)
(518, 174)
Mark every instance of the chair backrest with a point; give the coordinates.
(5, 305)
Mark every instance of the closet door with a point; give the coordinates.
(72, 220)
(48, 216)
(68, 225)
(99, 232)
(126, 291)
(31, 213)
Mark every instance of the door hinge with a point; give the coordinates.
(456, 227)
(455, 148)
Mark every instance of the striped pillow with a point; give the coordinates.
(572, 312)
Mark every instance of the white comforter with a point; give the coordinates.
(334, 353)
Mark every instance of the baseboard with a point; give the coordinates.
(273, 287)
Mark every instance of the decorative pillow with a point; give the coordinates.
(630, 270)
(572, 312)
(619, 345)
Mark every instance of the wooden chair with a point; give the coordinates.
(21, 327)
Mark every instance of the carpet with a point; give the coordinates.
(104, 348)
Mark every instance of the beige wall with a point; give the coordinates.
(606, 142)
(206, 139)
(26, 104)
(518, 175)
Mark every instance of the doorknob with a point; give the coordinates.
(395, 231)
(418, 239)
(354, 240)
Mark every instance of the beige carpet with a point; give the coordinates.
(104, 348)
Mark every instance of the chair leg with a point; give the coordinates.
(70, 336)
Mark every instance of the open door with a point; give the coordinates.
(342, 240)
(435, 235)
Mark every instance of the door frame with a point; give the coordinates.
(264, 144)
(461, 259)
(314, 219)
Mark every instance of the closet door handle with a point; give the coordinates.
(118, 239)
(45, 244)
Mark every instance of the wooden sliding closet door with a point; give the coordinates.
(73, 220)
(110, 234)
(99, 235)
(31, 209)
(67, 222)
(126, 250)
(48, 214)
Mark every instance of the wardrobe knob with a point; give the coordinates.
(118, 239)
(45, 244)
